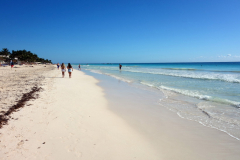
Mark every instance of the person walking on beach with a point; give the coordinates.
(70, 69)
(79, 67)
(57, 65)
(120, 66)
(63, 69)
(12, 64)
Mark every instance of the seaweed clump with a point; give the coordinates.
(4, 118)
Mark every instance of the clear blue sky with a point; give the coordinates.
(90, 31)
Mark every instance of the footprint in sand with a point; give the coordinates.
(12, 128)
(70, 148)
(78, 154)
(62, 139)
(19, 145)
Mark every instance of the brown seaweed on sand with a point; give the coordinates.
(26, 97)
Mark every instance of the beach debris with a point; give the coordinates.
(26, 97)
(43, 142)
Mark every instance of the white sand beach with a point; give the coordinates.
(71, 120)
(79, 118)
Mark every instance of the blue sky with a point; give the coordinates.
(90, 31)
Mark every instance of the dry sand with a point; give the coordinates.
(19, 80)
(72, 119)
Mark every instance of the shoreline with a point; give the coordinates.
(209, 113)
(70, 120)
(98, 117)
(140, 108)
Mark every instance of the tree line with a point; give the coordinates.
(22, 55)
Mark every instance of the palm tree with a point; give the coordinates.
(5, 52)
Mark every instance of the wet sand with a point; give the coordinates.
(173, 136)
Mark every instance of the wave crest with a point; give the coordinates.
(232, 78)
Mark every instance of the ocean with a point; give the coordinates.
(208, 92)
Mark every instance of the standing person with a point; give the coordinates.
(57, 65)
(79, 67)
(12, 64)
(120, 66)
(70, 69)
(63, 69)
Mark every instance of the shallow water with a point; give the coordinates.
(208, 93)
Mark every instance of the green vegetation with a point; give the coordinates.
(22, 55)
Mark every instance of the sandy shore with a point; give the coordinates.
(71, 120)
(173, 137)
(19, 80)
(76, 119)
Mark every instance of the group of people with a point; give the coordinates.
(69, 68)
(63, 69)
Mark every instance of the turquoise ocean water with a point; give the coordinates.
(208, 93)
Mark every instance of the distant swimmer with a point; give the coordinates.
(120, 66)
(79, 67)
